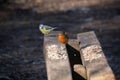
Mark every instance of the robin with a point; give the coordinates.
(62, 38)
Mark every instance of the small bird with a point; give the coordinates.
(46, 29)
(62, 38)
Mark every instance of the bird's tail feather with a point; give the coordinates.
(55, 27)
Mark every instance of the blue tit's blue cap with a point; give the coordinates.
(41, 25)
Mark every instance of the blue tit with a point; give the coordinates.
(46, 29)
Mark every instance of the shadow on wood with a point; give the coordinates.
(74, 58)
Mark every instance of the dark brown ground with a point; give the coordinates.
(21, 42)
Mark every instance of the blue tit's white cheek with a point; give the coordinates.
(40, 28)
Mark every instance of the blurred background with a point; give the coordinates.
(21, 42)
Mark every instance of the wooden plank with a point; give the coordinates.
(74, 43)
(56, 57)
(80, 69)
(93, 58)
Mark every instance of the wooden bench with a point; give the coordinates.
(60, 64)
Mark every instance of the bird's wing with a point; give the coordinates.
(48, 28)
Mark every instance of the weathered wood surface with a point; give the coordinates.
(93, 58)
(80, 69)
(56, 57)
(74, 43)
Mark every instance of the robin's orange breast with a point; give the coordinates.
(62, 38)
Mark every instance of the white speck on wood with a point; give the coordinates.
(56, 52)
(91, 52)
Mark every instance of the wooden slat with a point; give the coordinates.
(80, 69)
(74, 43)
(93, 58)
(56, 57)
